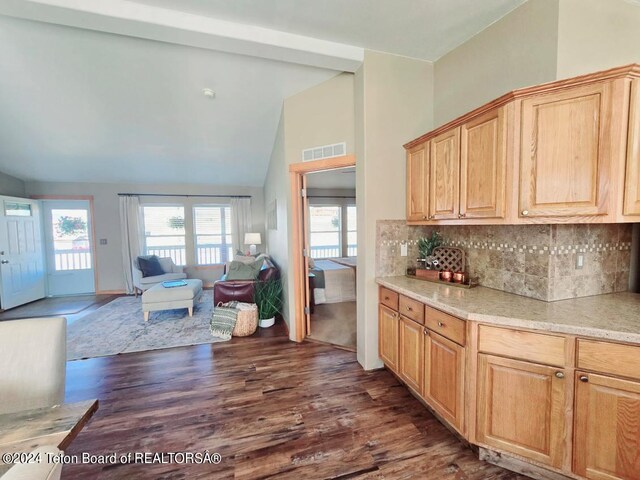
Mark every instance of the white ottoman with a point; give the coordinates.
(161, 298)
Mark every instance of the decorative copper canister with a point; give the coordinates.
(459, 277)
(446, 275)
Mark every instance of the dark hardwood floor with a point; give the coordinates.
(73, 307)
(271, 408)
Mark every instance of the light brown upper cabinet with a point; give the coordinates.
(418, 183)
(482, 166)
(632, 176)
(564, 165)
(560, 152)
(444, 181)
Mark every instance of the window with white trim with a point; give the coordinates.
(212, 231)
(164, 232)
(352, 231)
(325, 231)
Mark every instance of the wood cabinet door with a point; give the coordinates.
(418, 183)
(444, 378)
(444, 179)
(483, 159)
(607, 427)
(632, 173)
(388, 331)
(521, 408)
(564, 152)
(411, 353)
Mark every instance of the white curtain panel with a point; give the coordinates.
(241, 222)
(131, 236)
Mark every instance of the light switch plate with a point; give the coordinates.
(403, 250)
(103, 241)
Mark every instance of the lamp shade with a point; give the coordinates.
(252, 239)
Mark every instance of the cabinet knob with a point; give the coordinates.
(386, 298)
(424, 217)
(440, 324)
(525, 213)
(409, 308)
(584, 378)
(430, 217)
(462, 215)
(426, 332)
(559, 374)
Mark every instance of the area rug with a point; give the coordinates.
(119, 327)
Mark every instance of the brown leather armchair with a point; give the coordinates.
(242, 290)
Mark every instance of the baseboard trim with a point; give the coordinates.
(110, 292)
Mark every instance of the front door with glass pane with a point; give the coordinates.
(69, 246)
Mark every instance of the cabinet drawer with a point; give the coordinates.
(412, 309)
(389, 298)
(535, 347)
(450, 327)
(606, 357)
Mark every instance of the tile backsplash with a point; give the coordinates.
(537, 261)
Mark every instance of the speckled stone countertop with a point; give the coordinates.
(614, 316)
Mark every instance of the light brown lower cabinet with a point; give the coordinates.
(607, 427)
(444, 378)
(521, 408)
(388, 340)
(411, 353)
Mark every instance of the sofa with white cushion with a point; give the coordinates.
(171, 272)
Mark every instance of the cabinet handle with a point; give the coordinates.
(440, 324)
(584, 378)
(424, 217)
(559, 375)
(430, 217)
(409, 308)
(525, 212)
(462, 215)
(386, 298)
(426, 332)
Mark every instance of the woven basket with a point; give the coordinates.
(247, 321)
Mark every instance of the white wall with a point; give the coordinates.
(597, 35)
(518, 50)
(11, 186)
(394, 104)
(107, 217)
(321, 115)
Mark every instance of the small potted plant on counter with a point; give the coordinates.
(268, 297)
(427, 265)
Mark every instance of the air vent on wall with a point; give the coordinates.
(326, 151)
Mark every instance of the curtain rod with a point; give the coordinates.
(179, 195)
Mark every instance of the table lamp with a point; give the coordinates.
(252, 239)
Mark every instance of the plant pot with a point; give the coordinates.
(267, 322)
(428, 274)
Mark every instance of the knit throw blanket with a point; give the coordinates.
(223, 320)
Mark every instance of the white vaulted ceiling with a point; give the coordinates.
(112, 91)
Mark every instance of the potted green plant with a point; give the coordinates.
(268, 297)
(426, 246)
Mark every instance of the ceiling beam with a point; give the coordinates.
(126, 17)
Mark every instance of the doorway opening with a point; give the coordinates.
(69, 246)
(325, 251)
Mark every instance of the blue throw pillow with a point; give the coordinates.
(150, 266)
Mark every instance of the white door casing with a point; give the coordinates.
(22, 266)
